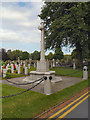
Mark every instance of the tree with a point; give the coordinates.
(58, 54)
(16, 54)
(50, 56)
(25, 55)
(10, 54)
(66, 23)
(4, 54)
(35, 55)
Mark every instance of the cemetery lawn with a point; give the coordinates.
(67, 72)
(31, 103)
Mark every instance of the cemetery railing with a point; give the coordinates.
(42, 79)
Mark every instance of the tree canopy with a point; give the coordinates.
(66, 23)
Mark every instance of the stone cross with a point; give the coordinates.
(42, 57)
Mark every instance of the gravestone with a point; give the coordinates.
(53, 62)
(4, 73)
(12, 70)
(26, 71)
(19, 69)
(74, 66)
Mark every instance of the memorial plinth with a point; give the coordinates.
(42, 65)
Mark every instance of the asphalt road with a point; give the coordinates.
(76, 109)
(81, 111)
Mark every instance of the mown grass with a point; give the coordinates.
(30, 104)
(67, 72)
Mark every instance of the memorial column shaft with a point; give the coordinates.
(42, 43)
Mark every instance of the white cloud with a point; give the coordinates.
(19, 24)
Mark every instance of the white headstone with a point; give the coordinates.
(6, 67)
(19, 70)
(26, 71)
(85, 73)
(4, 73)
(53, 63)
(12, 68)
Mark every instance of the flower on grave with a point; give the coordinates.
(3, 67)
(14, 71)
(14, 66)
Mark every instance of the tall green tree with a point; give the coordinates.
(66, 23)
(25, 55)
(35, 55)
(50, 56)
(3, 54)
(58, 54)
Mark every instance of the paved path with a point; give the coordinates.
(56, 86)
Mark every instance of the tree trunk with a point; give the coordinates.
(79, 54)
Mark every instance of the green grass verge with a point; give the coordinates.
(30, 104)
(67, 72)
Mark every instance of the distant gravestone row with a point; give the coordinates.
(14, 67)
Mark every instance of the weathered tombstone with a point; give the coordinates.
(19, 70)
(85, 73)
(53, 63)
(4, 73)
(7, 67)
(12, 68)
(74, 66)
(26, 71)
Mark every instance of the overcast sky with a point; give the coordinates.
(19, 26)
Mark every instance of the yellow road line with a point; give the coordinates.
(72, 108)
(66, 106)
